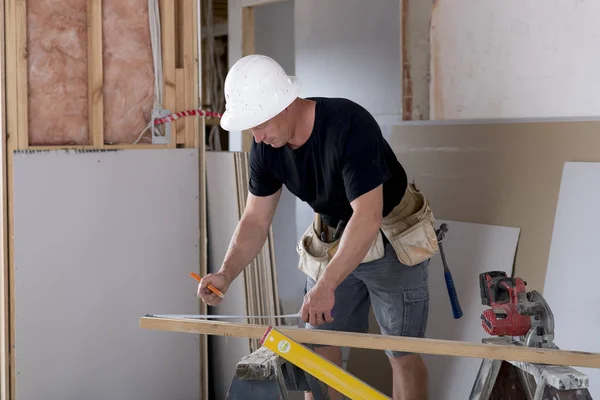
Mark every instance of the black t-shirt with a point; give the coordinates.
(345, 156)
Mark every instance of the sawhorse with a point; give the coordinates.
(518, 380)
(264, 375)
(282, 364)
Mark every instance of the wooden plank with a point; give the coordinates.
(123, 146)
(95, 73)
(21, 70)
(248, 47)
(258, 365)
(380, 342)
(199, 143)
(179, 125)
(6, 109)
(250, 3)
(407, 94)
(190, 70)
(17, 137)
(167, 23)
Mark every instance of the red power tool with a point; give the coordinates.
(511, 310)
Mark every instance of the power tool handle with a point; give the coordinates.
(456, 309)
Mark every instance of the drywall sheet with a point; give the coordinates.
(514, 59)
(504, 174)
(334, 58)
(571, 288)
(101, 239)
(222, 218)
(470, 250)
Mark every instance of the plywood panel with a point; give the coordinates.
(499, 174)
(102, 238)
(571, 287)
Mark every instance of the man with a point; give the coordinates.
(331, 154)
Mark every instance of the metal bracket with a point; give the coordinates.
(157, 138)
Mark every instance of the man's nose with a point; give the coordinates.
(259, 137)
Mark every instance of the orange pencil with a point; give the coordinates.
(211, 287)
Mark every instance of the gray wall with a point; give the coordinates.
(350, 48)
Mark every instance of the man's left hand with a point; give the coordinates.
(318, 304)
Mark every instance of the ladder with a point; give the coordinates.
(498, 379)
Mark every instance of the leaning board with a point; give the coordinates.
(571, 287)
(470, 250)
(100, 238)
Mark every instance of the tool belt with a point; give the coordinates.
(409, 227)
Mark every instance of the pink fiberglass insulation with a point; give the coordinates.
(57, 72)
(128, 70)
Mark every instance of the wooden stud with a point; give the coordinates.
(123, 146)
(167, 23)
(199, 143)
(21, 69)
(254, 3)
(95, 73)
(179, 125)
(407, 89)
(4, 270)
(248, 47)
(17, 137)
(190, 70)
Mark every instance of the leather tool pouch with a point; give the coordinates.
(410, 228)
(315, 253)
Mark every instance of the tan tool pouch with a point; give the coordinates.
(315, 254)
(410, 228)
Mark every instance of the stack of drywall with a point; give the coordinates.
(254, 291)
(261, 283)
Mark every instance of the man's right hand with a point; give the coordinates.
(220, 281)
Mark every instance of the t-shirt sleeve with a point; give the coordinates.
(363, 164)
(261, 182)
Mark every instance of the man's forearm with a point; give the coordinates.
(357, 239)
(246, 242)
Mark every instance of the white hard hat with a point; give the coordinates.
(256, 89)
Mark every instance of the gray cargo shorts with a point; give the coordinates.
(398, 293)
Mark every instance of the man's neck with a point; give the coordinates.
(305, 121)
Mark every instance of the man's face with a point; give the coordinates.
(274, 132)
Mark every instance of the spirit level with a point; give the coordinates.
(319, 367)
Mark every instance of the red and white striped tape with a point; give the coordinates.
(176, 116)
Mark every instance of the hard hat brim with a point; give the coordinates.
(230, 122)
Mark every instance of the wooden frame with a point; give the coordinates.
(4, 276)
(181, 69)
(180, 62)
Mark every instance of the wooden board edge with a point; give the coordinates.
(95, 73)
(168, 36)
(22, 73)
(248, 47)
(5, 383)
(380, 342)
